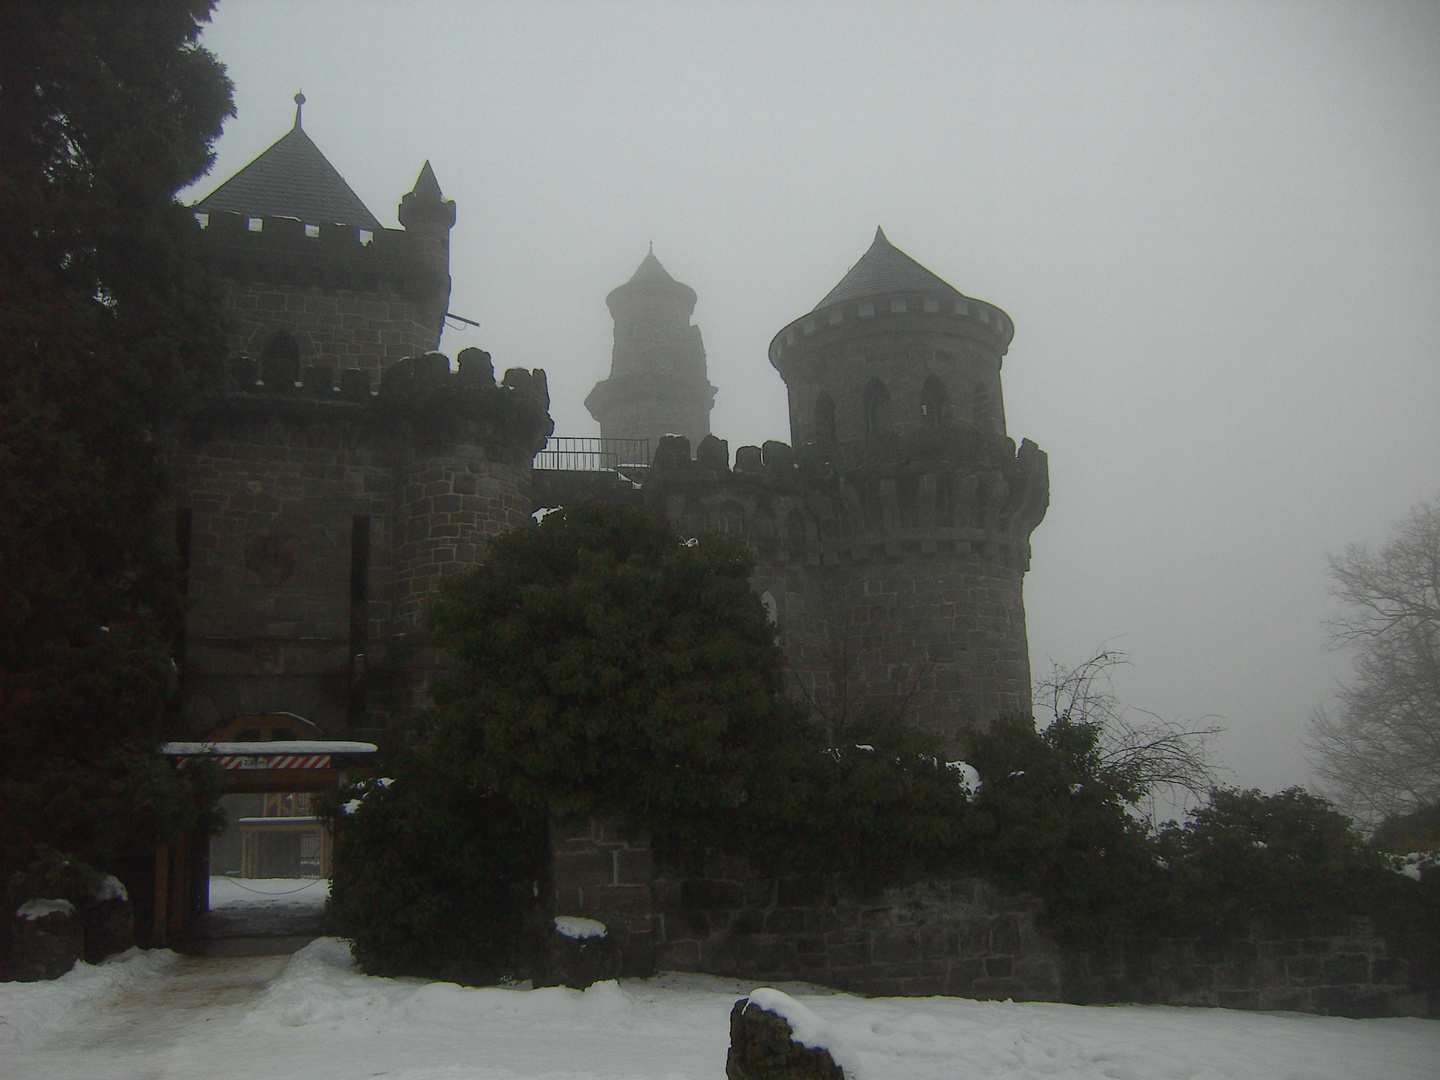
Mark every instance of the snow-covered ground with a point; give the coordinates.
(312, 1016)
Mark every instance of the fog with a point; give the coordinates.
(1216, 227)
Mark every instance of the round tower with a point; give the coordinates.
(658, 383)
(892, 355)
(896, 411)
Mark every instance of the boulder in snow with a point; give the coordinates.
(109, 921)
(46, 938)
(764, 1046)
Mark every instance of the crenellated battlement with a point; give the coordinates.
(889, 312)
(984, 506)
(434, 404)
(289, 251)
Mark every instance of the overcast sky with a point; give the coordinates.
(1215, 225)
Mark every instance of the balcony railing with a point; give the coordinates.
(571, 454)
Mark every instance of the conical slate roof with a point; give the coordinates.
(291, 179)
(649, 275)
(650, 271)
(884, 269)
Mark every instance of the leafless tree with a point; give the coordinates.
(1378, 752)
(1150, 753)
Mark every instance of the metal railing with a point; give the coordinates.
(563, 452)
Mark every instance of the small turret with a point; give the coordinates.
(427, 216)
(658, 383)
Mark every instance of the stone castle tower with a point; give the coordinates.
(316, 512)
(891, 544)
(657, 384)
(313, 279)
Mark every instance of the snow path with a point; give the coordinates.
(312, 1016)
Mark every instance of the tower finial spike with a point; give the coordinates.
(299, 104)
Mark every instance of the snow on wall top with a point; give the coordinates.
(291, 746)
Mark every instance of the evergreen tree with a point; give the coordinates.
(603, 666)
(106, 110)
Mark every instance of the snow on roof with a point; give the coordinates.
(257, 749)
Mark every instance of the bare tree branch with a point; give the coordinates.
(1378, 752)
(1140, 748)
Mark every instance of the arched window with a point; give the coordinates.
(280, 366)
(980, 398)
(934, 403)
(825, 419)
(877, 408)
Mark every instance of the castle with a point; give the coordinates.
(345, 467)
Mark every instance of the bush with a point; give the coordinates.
(435, 874)
(1290, 859)
(53, 875)
(602, 666)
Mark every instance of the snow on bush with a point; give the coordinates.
(110, 888)
(38, 909)
(1414, 864)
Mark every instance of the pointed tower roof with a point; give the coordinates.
(883, 269)
(291, 179)
(650, 270)
(425, 203)
(651, 275)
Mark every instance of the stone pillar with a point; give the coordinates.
(602, 872)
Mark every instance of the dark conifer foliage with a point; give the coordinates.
(604, 666)
(106, 110)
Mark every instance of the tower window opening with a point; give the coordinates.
(877, 408)
(934, 403)
(825, 419)
(280, 365)
(981, 402)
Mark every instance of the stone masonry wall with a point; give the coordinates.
(350, 298)
(710, 912)
(963, 937)
(339, 328)
(960, 937)
(272, 494)
(450, 504)
(290, 608)
(1355, 972)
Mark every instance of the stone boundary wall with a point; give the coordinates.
(712, 913)
(960, 937)
(1354, 973)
